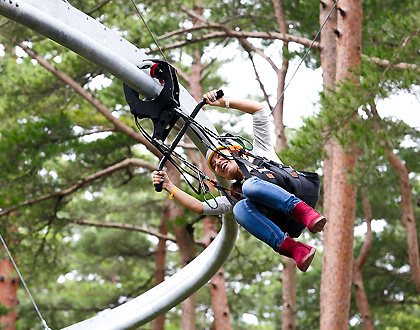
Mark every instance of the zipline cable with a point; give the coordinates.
(44, 323)
(306, 53)
(150, 31)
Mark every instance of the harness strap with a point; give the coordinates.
(232, 200)
(241, 163)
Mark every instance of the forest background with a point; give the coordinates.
(88, 231)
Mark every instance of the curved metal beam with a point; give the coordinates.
(68, 26)
(84, 35)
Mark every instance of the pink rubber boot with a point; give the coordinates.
(302, 254)
(306, 215)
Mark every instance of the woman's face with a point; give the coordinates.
(223, 166)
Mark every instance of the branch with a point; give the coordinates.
(124, 226)
(227, 32)
(395, 301)
(269, 35)
(119, 126)
(181, 73)
(188, 146)
(191, 29)
(257, 76)
(2, 24)
(240, 34)
(200, 18)
(95, 132)
(118, 226)
(90, 12)
(360, 292)
(251, 48)
(386, 63)
(62, 193)
(407, 217)
(367, 244)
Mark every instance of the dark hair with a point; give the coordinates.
(236, 189)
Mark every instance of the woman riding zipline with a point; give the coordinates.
(267, 209)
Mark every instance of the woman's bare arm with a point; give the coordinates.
(244, 105)
(182, 197)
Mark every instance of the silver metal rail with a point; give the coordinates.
(59, 21)
(68, 26)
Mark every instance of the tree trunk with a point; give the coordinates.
(8, 293)
(338, 252)
(328, 51)
(288, 314)
(338, 249)
(185, 239)
(360, 293)
(219, 301)
(328, 47)
(159, 322)
(186, 244)
(328, 62)
(407, 218)
(281, 141)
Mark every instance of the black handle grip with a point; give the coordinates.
(203, 102)
(159, 187)
(219, 94)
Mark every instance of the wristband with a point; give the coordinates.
(173, 193)
(227, 103)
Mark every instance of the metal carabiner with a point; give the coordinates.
(212, 197)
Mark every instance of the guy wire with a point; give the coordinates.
(150, 31)
(44, 323)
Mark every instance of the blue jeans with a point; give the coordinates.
(268, 194)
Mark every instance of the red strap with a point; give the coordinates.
(152, 70)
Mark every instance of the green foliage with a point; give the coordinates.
(46, 146)
(4, 310)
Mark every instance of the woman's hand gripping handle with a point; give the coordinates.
(209, 98)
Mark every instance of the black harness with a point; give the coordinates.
(304, 185)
